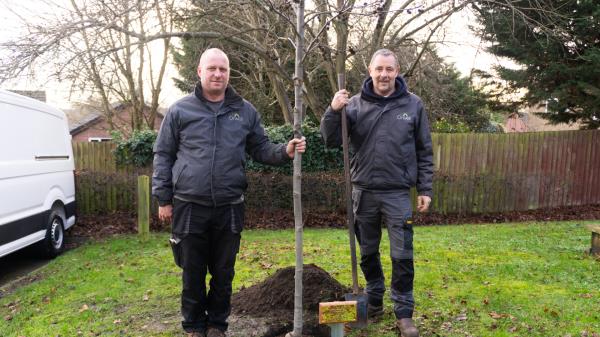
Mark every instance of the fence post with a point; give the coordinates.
(143, 202)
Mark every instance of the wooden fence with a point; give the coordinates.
(474, 173)
(102, 186)
(517, 171)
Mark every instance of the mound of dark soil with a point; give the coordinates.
(274, 299)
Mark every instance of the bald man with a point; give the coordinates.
(199, 181)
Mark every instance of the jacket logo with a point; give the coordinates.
(403, 116)
(235, 117)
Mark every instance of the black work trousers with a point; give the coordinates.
(395, 210)
(208, 241)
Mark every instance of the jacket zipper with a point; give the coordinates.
(212, 164)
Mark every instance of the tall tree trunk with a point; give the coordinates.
(312, 100)
(95, 73)
(156, 87)
(341, 30)
(282, 96)
(324, 48)
(297, 180)
(378, 37)
(140, 80)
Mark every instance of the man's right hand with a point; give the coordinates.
(165, 213)
(340, 99)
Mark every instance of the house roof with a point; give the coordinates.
(94, 117)
(40, 95)
(84, 123)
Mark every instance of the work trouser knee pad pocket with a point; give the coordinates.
(175, 242)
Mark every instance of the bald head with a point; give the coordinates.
(212, 52)
(213, 71)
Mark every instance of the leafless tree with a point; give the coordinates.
(82, 46)
(104, 45)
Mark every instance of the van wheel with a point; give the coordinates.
(54, 243)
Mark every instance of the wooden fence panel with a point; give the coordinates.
(474, 173)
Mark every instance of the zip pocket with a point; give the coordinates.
(176, 180)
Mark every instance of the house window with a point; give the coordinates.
(99, 139)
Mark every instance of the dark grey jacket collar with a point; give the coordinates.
(232, 98)
(368, 94)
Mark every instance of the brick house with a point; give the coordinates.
(531, 122)
(93, 127)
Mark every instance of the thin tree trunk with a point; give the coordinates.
(324, 44)
(377, 36)
(95, 73)
(282, 96)
(156, 88)
(312, 100)
(297, 180)
(341, 30)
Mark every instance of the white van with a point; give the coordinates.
(37, 187)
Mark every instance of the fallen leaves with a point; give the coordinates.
(147, 295)
(461, 317)
(552, 312)
(496, 315)
(266, 265)
(83, 308)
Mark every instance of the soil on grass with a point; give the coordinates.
(273, 299)
(277, 219)
(99, 226)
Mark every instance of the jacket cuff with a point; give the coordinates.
(165, 202)
(426, 193)
(284, 153)
(334, 112)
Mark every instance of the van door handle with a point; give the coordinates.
(50, 157)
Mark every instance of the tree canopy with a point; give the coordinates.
(336, 37)
(104, 47)
(558, 50)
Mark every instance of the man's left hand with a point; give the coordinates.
(296, 144)
(423, 202)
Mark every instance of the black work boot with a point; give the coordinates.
(374, 308)
(196, 334)
(214, 332)
(374, 311)
(407, 327)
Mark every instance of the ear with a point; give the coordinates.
(199, 70)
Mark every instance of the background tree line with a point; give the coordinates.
(108, 48)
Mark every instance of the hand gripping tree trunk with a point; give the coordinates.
(297, 180)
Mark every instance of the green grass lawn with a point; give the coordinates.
(530, 279)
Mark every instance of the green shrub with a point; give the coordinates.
(135, 150)
(317, 158)
(449, 125)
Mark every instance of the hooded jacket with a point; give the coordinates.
(200, 155)
(390, 142)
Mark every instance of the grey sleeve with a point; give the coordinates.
(424, 150)
(260, 148)
(331, 128)
(165, 154)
